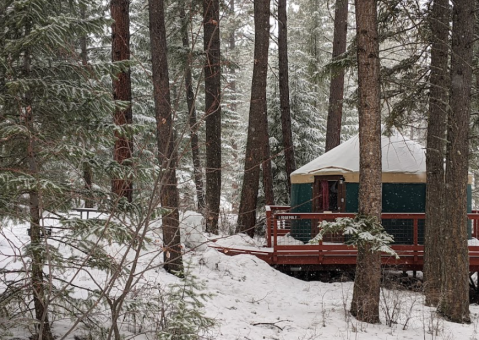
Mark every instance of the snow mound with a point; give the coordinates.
(289, 240)
(239, 268)
(240, 240)
(192, 230)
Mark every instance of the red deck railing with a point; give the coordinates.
(475, 224)
(288, 250)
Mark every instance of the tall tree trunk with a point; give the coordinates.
(365, 302)
(232, 47)
(454, 303)
(3, 63)
(288, 145)
(436, 149)
(258, 121)
(233, 108)
(211, 22)
(190, 99)
(336, 89)
(40, 299)
(121, 91)
(87, 170)
(167, 155)
(266, 166)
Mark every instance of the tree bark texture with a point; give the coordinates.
(121, 91)
(454, 304)
(288, 145)
(193, 124)
(336, 89)
(436, 150)
(212, 69)
(167, 155)
(365, 302)
(258, 121)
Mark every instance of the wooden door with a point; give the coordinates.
(329, 194)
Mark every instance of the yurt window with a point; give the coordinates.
(328, 193)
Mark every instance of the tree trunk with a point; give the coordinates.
(288, 145)
(87, 171)
(454, 303)
(167, 156)
(3, 63)
(266, 166)
(121, 91)
(336, 89)
(258, 121)
(436, 148)
(211, 22)
(40, 300)
(233, 108)
(365, 302)
(190, 99)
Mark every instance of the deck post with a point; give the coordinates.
(415, 226)
(269, 224)
(275, 232)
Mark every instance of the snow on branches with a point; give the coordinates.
(361, 229)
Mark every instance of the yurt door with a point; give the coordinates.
(329, 194)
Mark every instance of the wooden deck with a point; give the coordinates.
(285, 251)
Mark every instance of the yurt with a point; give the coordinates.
(330, 183)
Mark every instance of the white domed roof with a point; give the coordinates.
(399, 156)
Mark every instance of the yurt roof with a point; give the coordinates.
(403, 161)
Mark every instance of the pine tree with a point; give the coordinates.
(50, 102)
(336, 92)
(365, 302)
(233, 110)
(212, 75)
(166, 136)
(403, 36)
(307, 45)
(436, 148)
(288, 145)
(193, 122)
(257, 124)
(454, 302)
(120, 13)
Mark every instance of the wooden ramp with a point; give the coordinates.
(283, 250)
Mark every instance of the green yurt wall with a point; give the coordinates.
(403, 188)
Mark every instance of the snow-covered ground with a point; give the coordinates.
(251, 300)
(254, 301)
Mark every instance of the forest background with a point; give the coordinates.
(71, 138)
